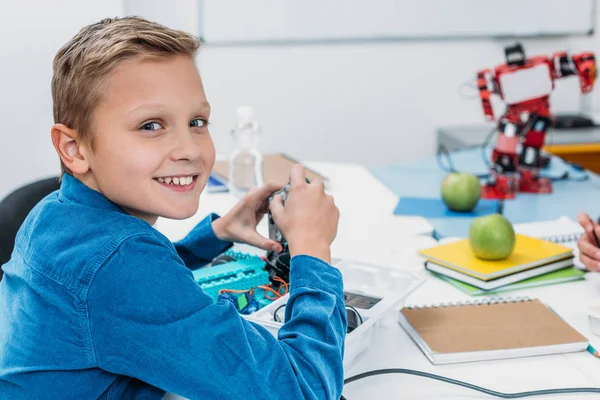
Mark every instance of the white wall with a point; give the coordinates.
(31, 32)
(375, 104)
(371, 103)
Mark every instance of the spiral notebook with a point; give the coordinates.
(562, 230)
(551, 278)
(489, 329)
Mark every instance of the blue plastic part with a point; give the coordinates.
(229, 297)
(245, 273)
(261, 299)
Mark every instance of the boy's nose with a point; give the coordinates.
(184, 147)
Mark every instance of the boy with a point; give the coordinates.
(95, 303)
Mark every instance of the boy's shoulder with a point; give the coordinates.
(68, 242)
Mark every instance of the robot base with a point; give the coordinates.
(531, 184)
(504, 188)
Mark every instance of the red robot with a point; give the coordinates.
(525, 85)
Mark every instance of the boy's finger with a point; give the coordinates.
(590, 264)
(587, 248)
(255, 239)
(319, 182)
(263, 192)
(585, 221)
(297, 175)
(276, 207)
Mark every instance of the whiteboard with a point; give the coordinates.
(273, 21)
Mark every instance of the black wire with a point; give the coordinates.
(443, 150)
(360, 319)
(275, 317)
(484, 145)
(471, 386)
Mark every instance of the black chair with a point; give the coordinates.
(14, 209)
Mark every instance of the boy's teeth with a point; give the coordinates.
(182, 181)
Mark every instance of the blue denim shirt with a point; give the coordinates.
(96, 303)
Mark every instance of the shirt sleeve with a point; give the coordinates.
(149, 320)
(201, 245)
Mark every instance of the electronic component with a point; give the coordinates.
(352, 316)
(243, 273)
(242, 279)
(360, 301)
(278, 264)
(274, 232)
(246, 303)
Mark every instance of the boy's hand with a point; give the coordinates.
(589, 253)
(309, 219)
(239, 224)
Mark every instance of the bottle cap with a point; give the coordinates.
(245, 113)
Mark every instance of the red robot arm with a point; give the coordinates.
(586, 69)
(583, 65)
(486, 88)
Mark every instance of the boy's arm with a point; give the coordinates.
(150, 320)
(201, 245)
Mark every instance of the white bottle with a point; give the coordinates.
(245, 162)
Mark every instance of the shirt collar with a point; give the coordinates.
(72, 189)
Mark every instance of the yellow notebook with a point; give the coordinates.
(528, 253)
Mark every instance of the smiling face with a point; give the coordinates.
(152, 151)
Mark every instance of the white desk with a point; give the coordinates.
(369, 232)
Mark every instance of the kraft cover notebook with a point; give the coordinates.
(528, 253)
(551, 278)
(276, 167)
(502, 281)
(489, 330)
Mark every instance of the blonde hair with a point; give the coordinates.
(82, 66)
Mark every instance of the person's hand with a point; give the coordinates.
(239, 224)
(309, 218)
(589, 253)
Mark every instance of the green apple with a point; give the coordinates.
(461, 191)
(492, 237)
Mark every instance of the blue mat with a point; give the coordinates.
(435, 208)
(579, 192)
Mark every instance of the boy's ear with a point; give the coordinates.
(71, 152)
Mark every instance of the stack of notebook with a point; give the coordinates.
(532, 257)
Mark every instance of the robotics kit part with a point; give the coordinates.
(244, 273)
(278, 264)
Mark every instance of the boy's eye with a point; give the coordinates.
(151, 126)
(198, 123)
